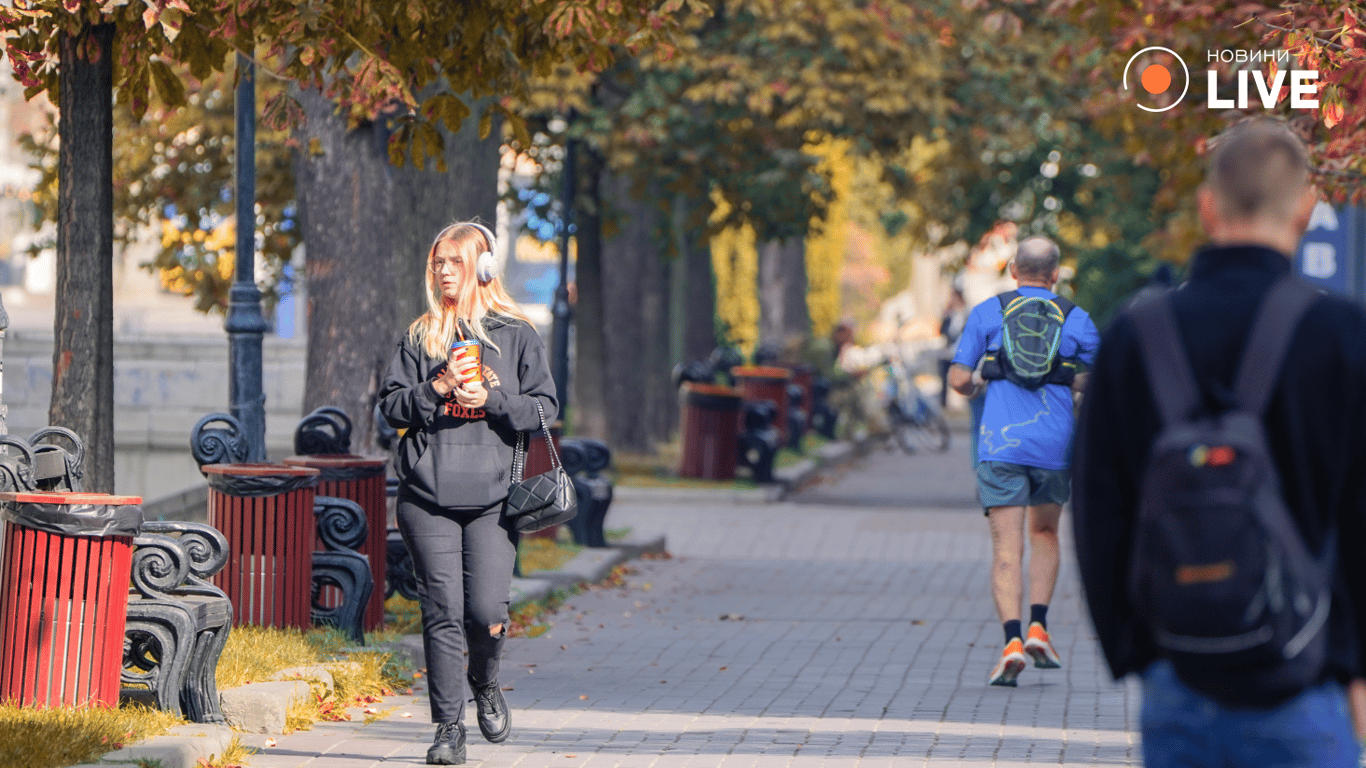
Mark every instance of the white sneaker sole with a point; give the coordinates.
(1006, 671)
(1043, 657)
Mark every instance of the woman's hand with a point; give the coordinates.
(472, 395)
(449, 379)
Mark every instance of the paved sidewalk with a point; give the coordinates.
(793, 634)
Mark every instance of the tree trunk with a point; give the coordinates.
(83, 325)
(426, 201)
(635, 304)
(699, 303)
(589, 392)
(345, 193)
(783, 314)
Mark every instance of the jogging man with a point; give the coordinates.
(1034, 342)
(1255, 204)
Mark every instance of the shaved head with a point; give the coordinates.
(1258, 170)
(1036, 258)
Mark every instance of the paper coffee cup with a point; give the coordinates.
(467, 350)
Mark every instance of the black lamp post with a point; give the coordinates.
(245, 324)
(559, 345)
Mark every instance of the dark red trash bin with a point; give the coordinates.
(762, 382)
(266, 513)
(711, 431)
(64, 596)
(361, 480)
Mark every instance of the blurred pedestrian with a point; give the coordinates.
(1032, 341)
(950, 328)
(461, 415)
(1223, 689)
(854, 392)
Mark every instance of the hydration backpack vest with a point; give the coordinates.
(1031, 334)
(1220, 573)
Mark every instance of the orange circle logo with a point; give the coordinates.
(1156, 79)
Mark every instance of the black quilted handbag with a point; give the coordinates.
(547, 499)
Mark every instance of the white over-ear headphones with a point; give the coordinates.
(487, 265)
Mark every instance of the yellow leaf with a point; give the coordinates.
(485, 124)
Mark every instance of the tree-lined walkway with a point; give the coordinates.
(792, 634)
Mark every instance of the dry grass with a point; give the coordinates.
(235, 756)
(545, 554)
(49, 738)
(402, 616)
(360, 675)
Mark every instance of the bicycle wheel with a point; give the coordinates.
(933, 432)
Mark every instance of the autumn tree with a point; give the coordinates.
(371, 60)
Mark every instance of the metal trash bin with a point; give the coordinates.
(711, 431)
(64, 596)
(266, 513)
(358, 479)
(762, 382)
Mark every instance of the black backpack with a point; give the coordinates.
(1031, 335)
(1220, 573)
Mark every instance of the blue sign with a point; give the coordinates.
(1329, 254)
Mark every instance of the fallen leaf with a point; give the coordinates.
(270, 742)
(571, 755)
(582, 697)
(723, 669)
(564, 647)
(406, 714)
(508, 688)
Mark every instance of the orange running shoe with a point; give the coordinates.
(1040, 648)
(1011, 665)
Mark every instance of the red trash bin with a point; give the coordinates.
(266, 513)
(361, 480)
(762, 382)
(711, 431)
(64, 596)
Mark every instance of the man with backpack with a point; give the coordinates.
(1219, 516)
(1031, 343)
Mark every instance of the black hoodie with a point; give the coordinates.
(457, 457)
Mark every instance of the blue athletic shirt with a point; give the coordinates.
(1032, 429)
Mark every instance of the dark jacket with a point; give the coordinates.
(452, 456)
(1315, 424)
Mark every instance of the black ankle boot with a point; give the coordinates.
(448, 748)
(495, 722)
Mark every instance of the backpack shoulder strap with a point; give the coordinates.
(1006, 298)
(1066, 305)
(1170, 377)
(1268, 341)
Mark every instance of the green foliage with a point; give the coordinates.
(173, 173)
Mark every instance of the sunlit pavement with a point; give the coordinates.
(850, 626)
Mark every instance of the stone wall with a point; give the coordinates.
(162, 386)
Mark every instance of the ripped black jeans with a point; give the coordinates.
(464, 561)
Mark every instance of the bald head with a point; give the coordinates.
(1258, 170)
(1036, 259)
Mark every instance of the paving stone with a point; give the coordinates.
(792, 634)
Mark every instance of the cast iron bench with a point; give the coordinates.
(178, 622)
(341, 530)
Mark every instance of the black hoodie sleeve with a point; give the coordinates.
(534, 383)
(1117, 425)
(407, 397)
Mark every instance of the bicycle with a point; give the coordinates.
(915, 422)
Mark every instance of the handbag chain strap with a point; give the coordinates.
(519, 455)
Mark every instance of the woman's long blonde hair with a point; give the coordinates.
(441, 324)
